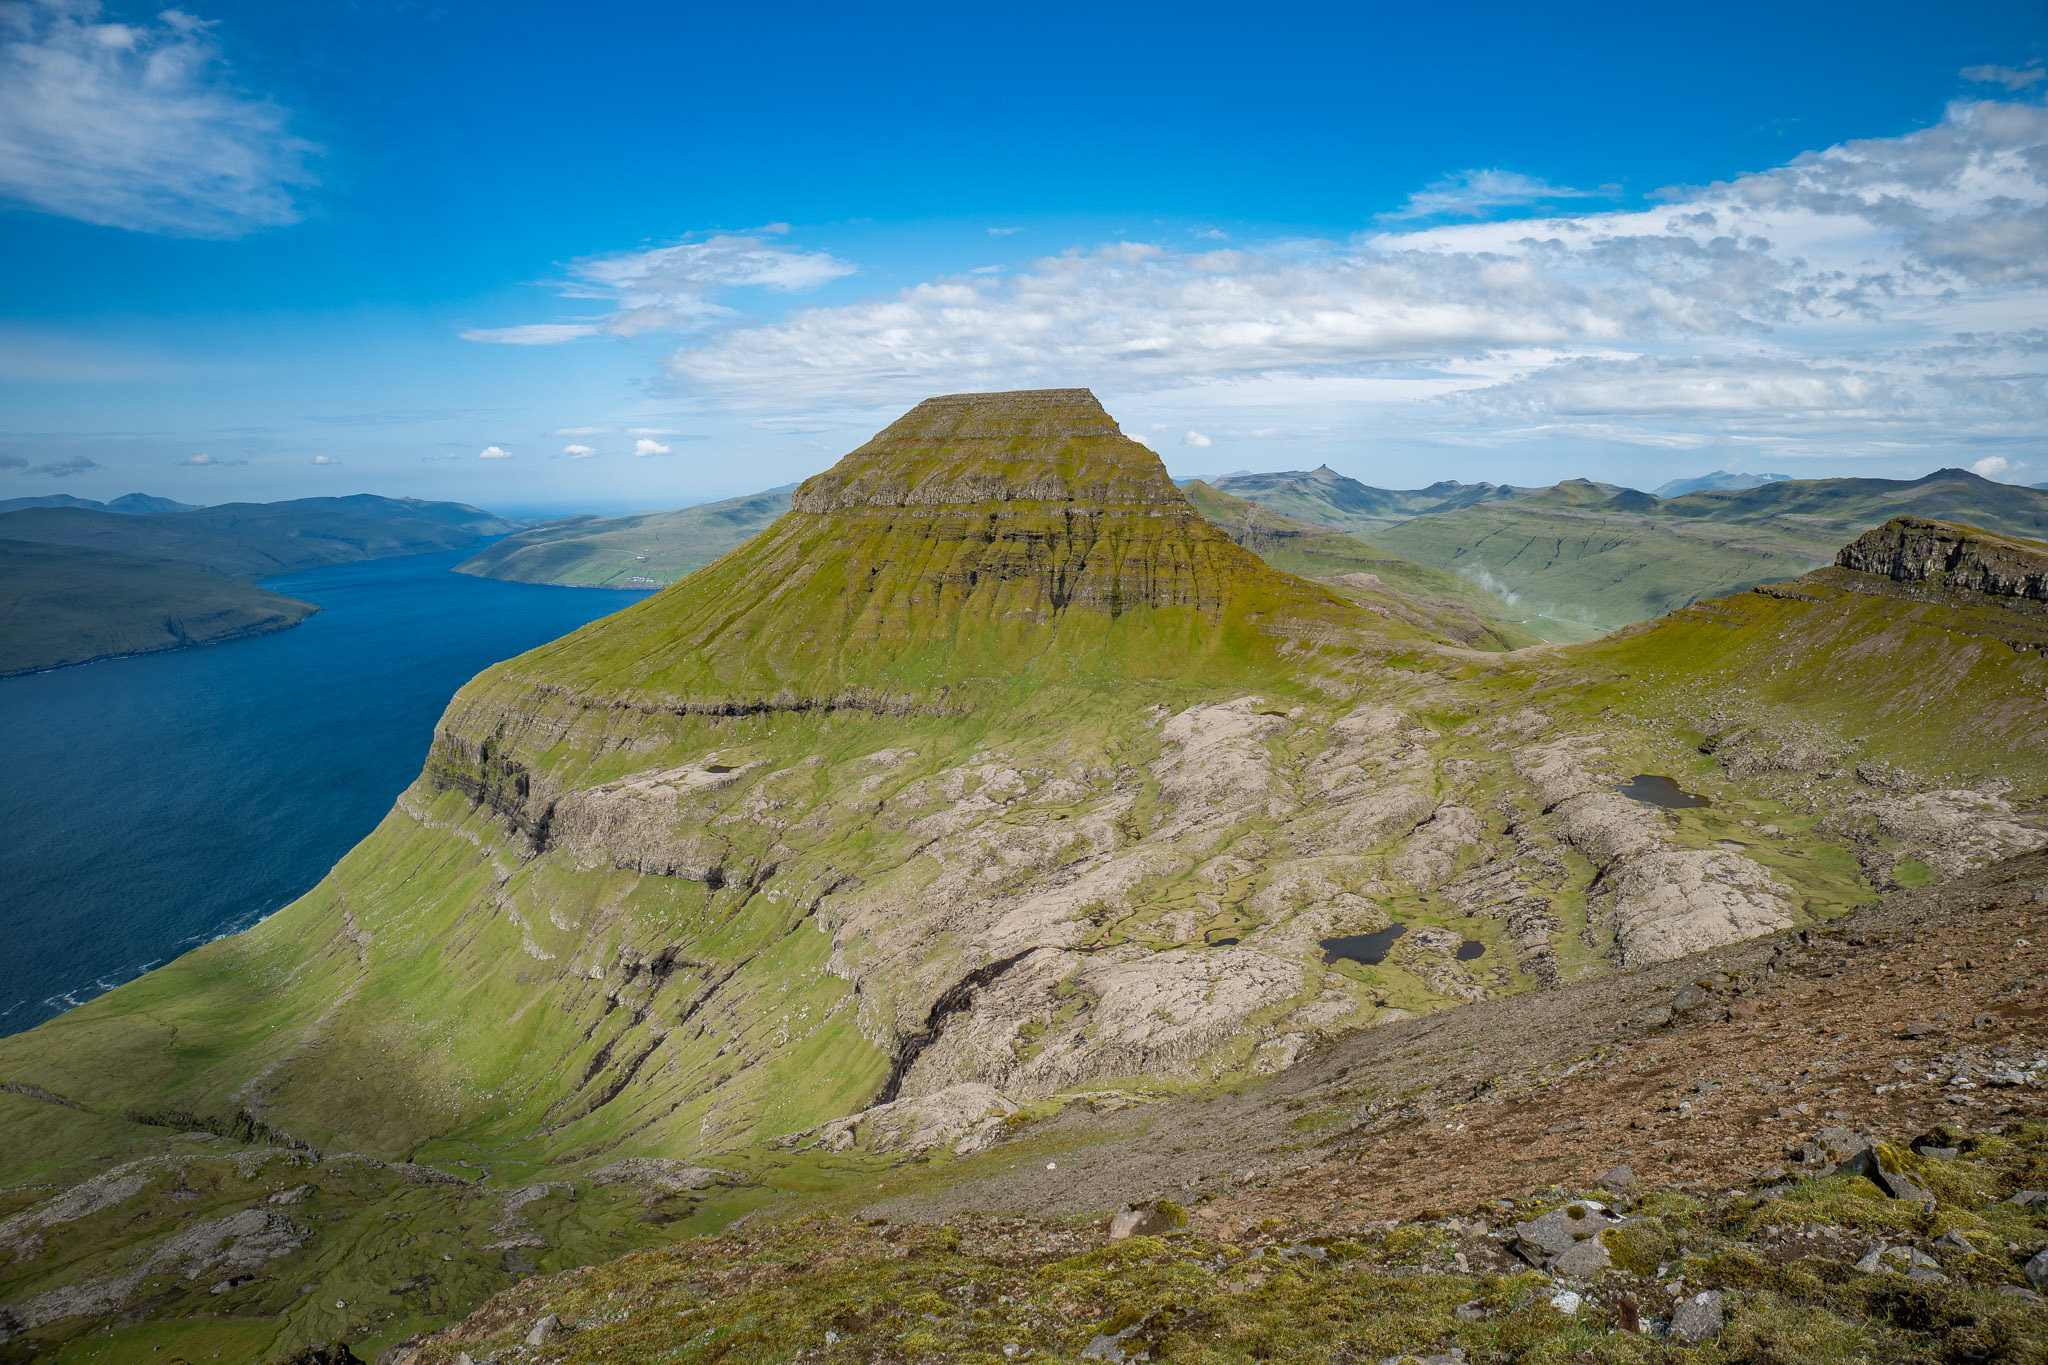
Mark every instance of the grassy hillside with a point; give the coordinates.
(1609, 557)
(1436, 600)
(263, 539)
(61, 605)
(651, 550)
(1327, 498)
(992, 775)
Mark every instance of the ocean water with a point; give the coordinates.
(151, 804)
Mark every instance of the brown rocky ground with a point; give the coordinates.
(1363, 1206)
(1891, 1020)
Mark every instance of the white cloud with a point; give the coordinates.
(1197, 440)
(1003, 231)
(1474, 194)
(578, 452)
(2012, 78)
(1992, 466)
(645, 447)
(325, 459)
(444, 455)
(66, 467)
(1140, 437)
(534, 333)
(137, 125)
(584, 431)
(1886, 290)
(652, 431)
(673, 288)
(494, 453)
(199, 460)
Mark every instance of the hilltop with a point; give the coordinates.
(132, 504)
(991, 788)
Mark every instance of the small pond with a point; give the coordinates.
(1372, 949)
(1660, 791)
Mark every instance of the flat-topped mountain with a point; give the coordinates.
(991, 782)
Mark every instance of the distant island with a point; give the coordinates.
(81, 580)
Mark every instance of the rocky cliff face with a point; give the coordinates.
(1921, 550)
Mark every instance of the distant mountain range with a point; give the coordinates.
(1604, 556)
(134, 504)
(89, 581)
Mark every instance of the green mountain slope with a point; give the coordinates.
(1436, 600)
(61, 605)
(990, 780)
(1609, 557)
(1327, 498)
(651, 550)
(1926, 641)
(263, 539)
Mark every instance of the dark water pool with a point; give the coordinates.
(1660, 791)
(1372, 949)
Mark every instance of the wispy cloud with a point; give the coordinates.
(138, 126)
(209, 462)
(2011, 77)
(673, 288)
(64, 468)
(578, 452)
(1475, 194)
(325, 459)
(1197, 440)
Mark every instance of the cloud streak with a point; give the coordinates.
(137, 126)
(673, 288)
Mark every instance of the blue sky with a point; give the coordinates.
(617, 257)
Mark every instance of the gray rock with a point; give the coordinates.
(1471, 1312)
(1871, 1164)
(1939, 1153)
(1620, 1180)
(2030, 1199)
(1141, 1220)
(544, 1331)
(1698, 1317)
(1872, 1259)
(2013, 1291)
(1558, 1231)
(1921, 1274)
(1586, 1260)
(1954, 1241)
(2037, 1270)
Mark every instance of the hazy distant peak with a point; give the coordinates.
(1720, 478)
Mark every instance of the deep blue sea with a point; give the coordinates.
(151, 804)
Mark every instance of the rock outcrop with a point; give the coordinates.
(1922, 550)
